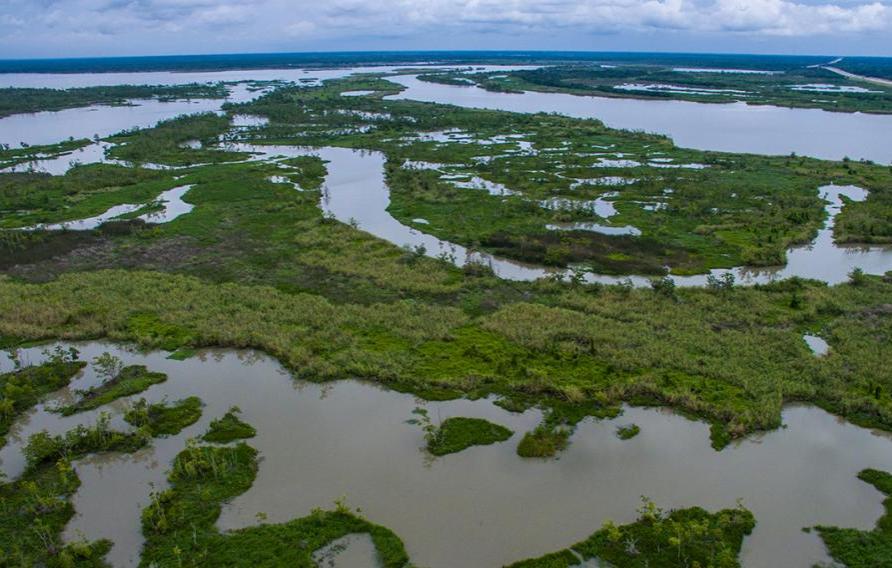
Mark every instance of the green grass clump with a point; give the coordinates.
(628, 432)
(163, 419)
(543, 442)
(164, 142)
(22, 389)
(864, 549)
(179, 524)
(683, 537)
(164, 335)
(459, 433)
(35, 508)
(131, 380)
(182, 354)
(229, 428)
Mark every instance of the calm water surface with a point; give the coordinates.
(736, 127)
(484, 506)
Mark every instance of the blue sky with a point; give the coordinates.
(71, 28)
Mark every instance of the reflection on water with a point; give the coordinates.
(595, 228)
(484, 506)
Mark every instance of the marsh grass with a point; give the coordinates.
(35, 508)
(126, 382)
(229, 428)
(459, 433)
(163, 419)
(543, 442)
(594, 347)
(256, 265)
(658, 539)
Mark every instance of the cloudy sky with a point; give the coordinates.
(69, 28)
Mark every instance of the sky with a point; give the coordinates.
(75, 28)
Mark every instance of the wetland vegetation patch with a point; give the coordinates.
(23, 388)
(119, 382)
(628, 431)
(658, 539)
(459, 433)
(228, 428)
(164, 419)
(179, 524)
(40, 499)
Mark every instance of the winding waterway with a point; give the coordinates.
(356, 192)
(484, 506)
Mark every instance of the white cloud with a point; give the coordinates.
(197, 23)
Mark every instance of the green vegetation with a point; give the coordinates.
(85, 191)
(683, 537)
(163, 419)
(628, 432)
(20, 390)
(256, 264)
(119, 382)
(18, 100)
(797, 87)
(864, 549)
(179, 524)
(543, 442)
(11, 156)
(459, 433)
(35, 508)
(182, 354)
(591, 345)
(228, 428)
(167, 143)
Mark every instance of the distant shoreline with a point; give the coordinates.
(854, 77)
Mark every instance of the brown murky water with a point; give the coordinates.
(484, 506)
